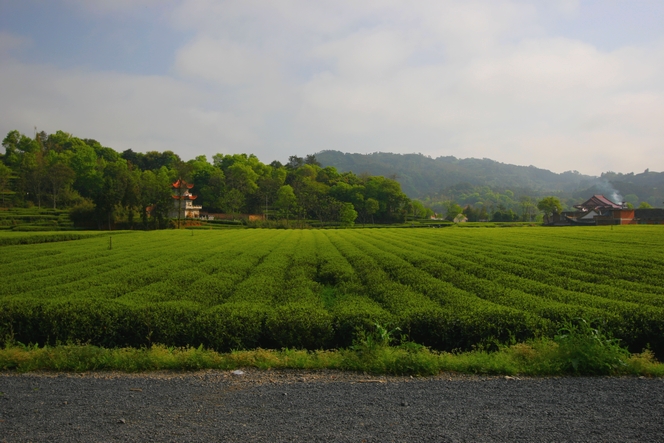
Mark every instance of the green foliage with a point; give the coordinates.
(550, 206)
(377, 338)
(231, 326)
(352, 314)
(534, 358)
(421, 175)
(526, 359)
(484, 184)
(7, 239)
(584, 349)
(347, 215)
(299, 325)
(446, 289)
(134, 189)
(5, 175)
(83, 214)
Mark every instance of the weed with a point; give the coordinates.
(580, 348)
(584, 349)
(378, 338)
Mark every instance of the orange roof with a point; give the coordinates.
(181, 182)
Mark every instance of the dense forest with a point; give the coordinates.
(421, 176)
(485, 189)
(103, 186)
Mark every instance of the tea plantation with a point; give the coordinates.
(449, 289)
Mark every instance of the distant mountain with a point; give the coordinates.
(421, 176)
(635, 188)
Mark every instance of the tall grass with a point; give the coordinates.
(577, 350)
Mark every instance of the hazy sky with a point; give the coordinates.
(562, 85)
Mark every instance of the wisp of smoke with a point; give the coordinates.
(609, 191)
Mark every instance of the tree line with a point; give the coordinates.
(483, 203)
(100, 184)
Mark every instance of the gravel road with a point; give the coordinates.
(326, 406)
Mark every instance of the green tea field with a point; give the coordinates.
(450, 289)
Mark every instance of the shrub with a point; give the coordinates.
(83, 214)
(231, 326)
(169, 322)
(353, 313)
(299, 325)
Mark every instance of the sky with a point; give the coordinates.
(558, 84)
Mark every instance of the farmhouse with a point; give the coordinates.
(183, 201)
(599, 204)
(599, 210)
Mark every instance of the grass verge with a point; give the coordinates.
(542, 358)
(578, 349)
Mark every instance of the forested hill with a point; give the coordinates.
(422, 176)
(100, 185)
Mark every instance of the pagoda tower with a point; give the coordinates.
(183, 201)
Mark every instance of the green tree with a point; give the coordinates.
(418, 209)
(630, 198)
(32, 175)
(233, 201)
(311, 160)
(453, 209)
(112, 192)
(269, 183)
(392, 200)
(16, 146)
(294, 162)
(155, 196)
(527, 208)
(286, 201)
(472, 214)
(5, 175)
(59, 176)
(89, 173)
(132, 196)
(347, 214)
(550, 206)
(242, 177)
(645, 205)
(371, 206)
(211, 190)
(10, 143)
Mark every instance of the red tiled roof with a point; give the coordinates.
(598, 201)
(181, 182)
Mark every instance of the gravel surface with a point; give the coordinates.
(326, 406)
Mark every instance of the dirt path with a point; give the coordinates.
(326, 406)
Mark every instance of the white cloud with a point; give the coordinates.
(562, 109)
(122, 111)
(369, 54)
(224, 62)
(568, 7)
(463, 78)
